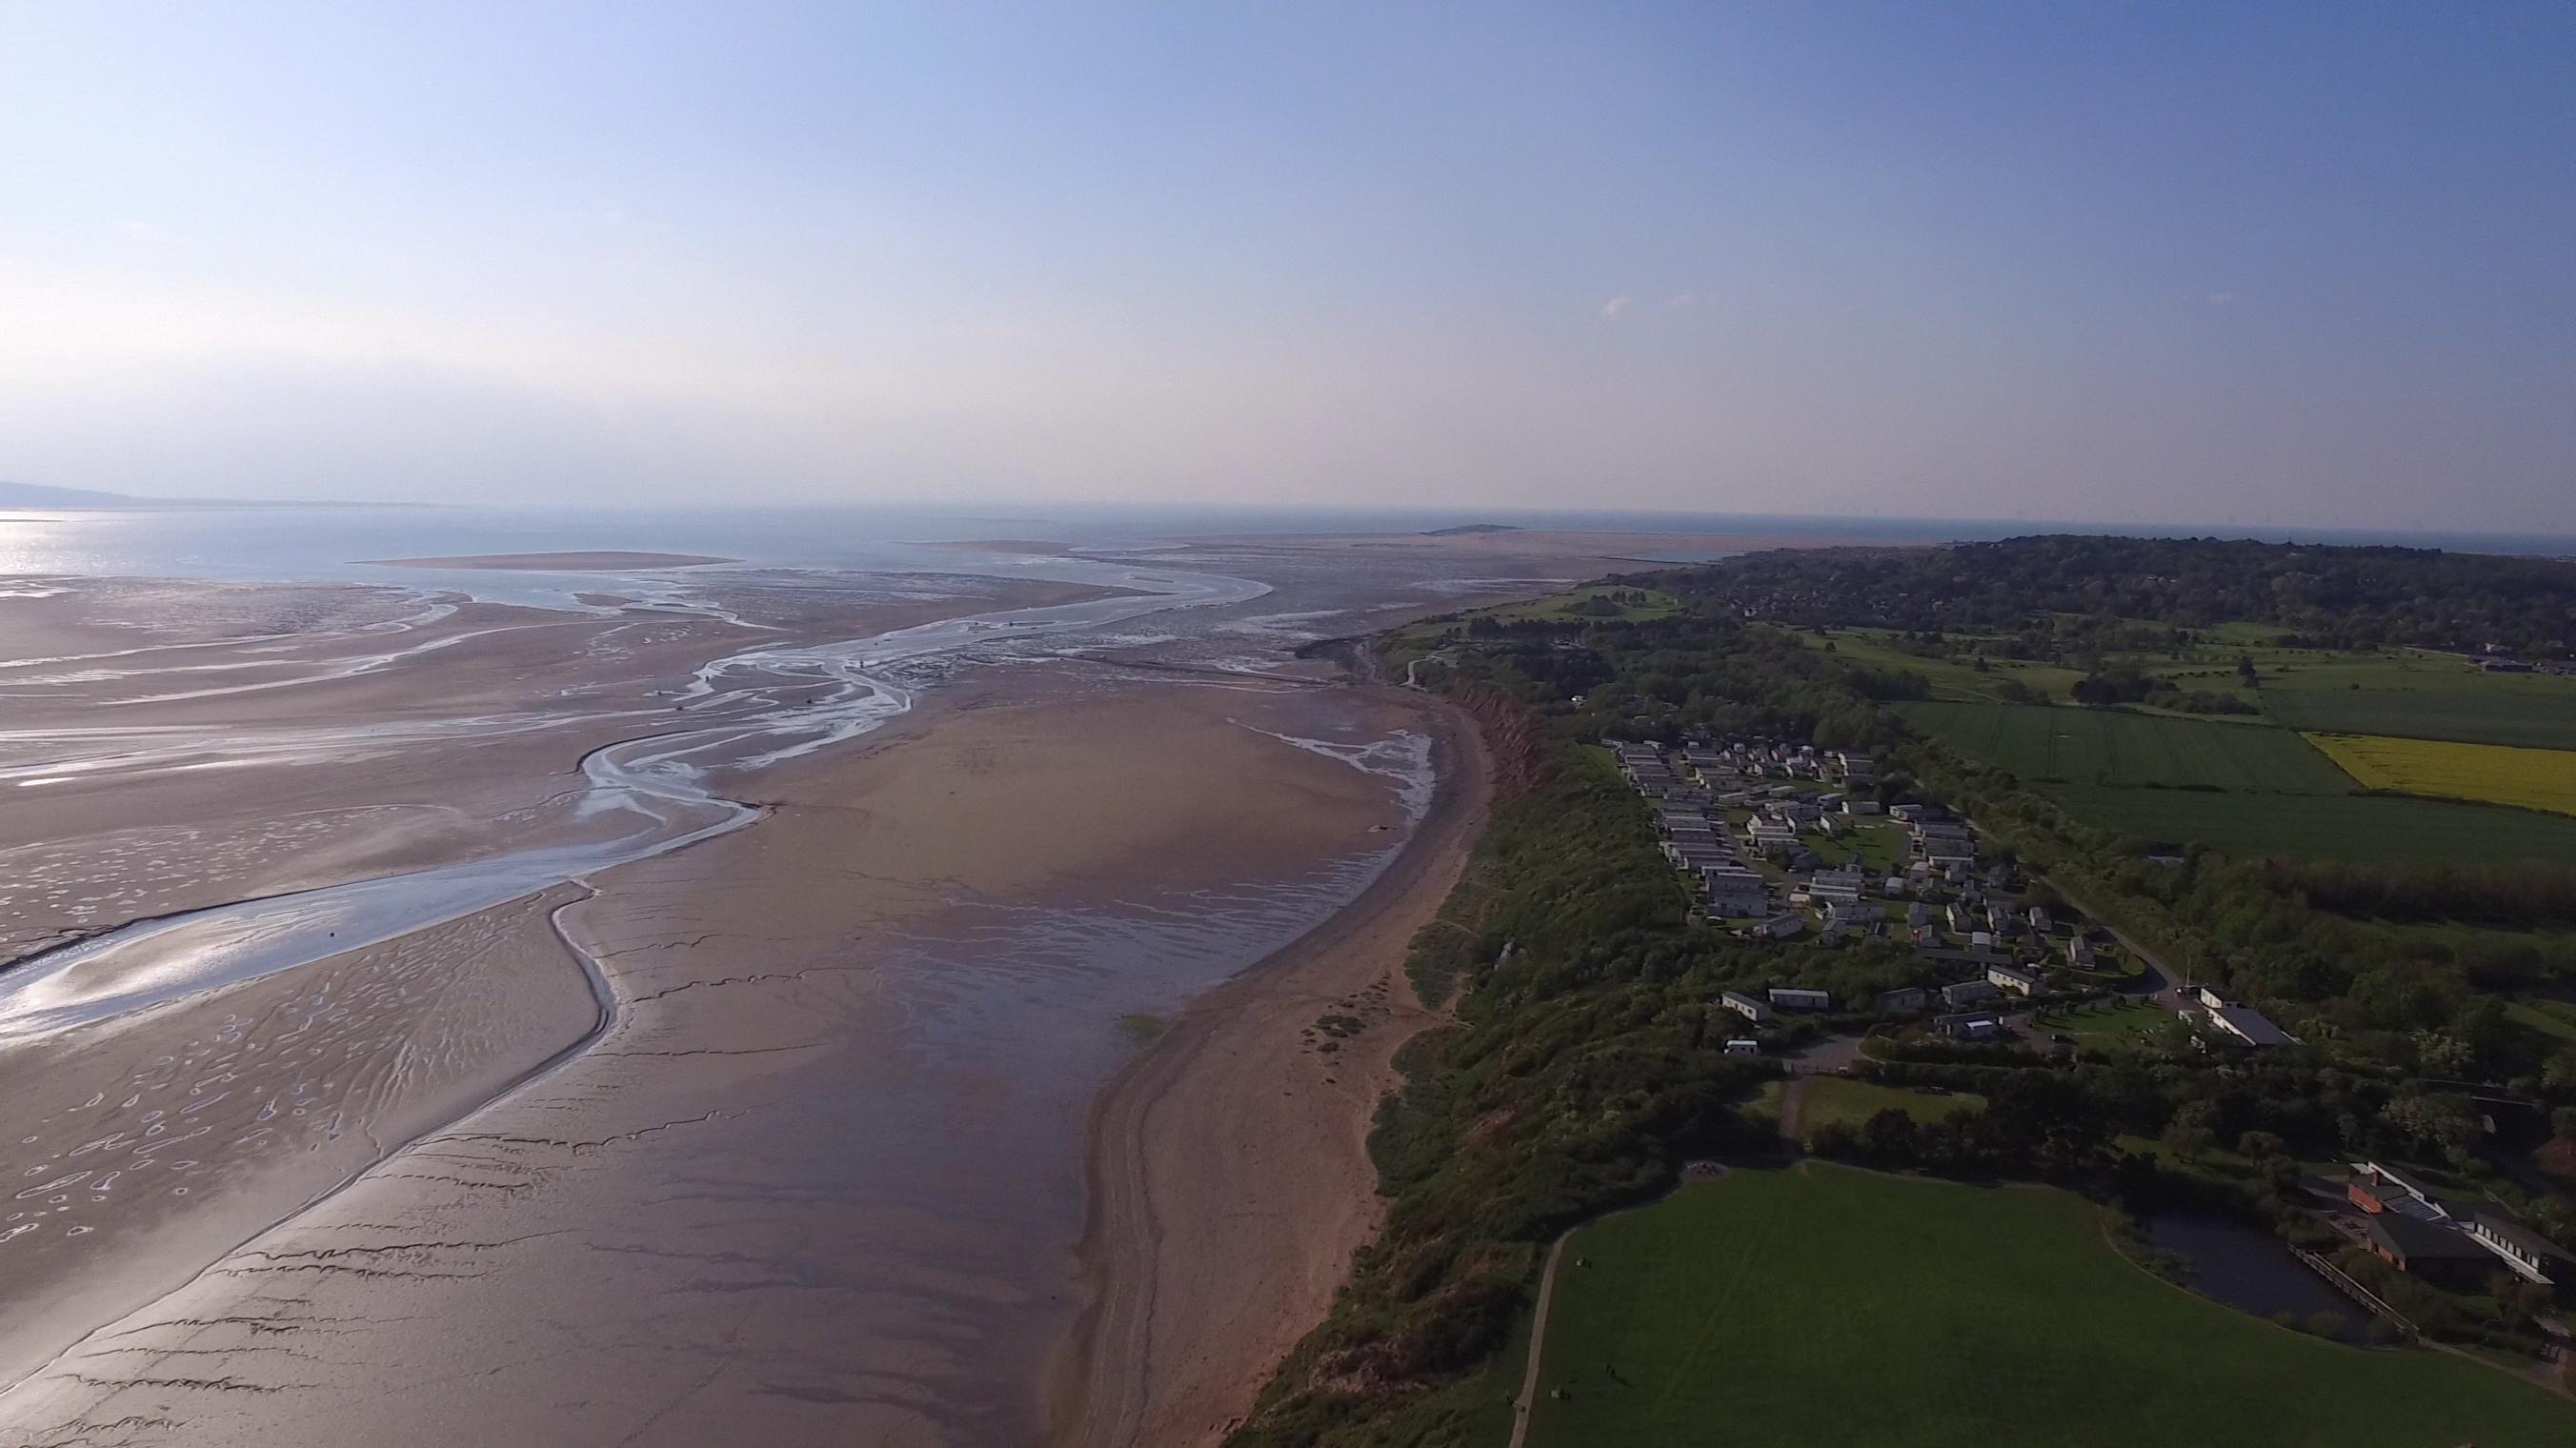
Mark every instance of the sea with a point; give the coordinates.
(299, 543)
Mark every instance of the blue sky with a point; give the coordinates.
(2170, 263)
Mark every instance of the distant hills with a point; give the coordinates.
(43, 495)
(1465, 528)
(38, 495)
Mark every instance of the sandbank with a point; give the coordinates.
(587, 560)
(819, 1179)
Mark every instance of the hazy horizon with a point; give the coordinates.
(2295, 269)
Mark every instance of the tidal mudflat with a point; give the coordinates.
(678, 1015)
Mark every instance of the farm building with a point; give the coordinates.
(1796, 998)
(1967, 993)
(1744, 1005)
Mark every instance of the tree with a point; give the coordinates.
(2445, 1123)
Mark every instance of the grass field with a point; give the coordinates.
(2549, 1017)
(1841, 1101)
(2103, 1024)
(1949, 679)
(2113, 748)
(2407, 692)
(2543, 779)
(1835, 1306)
(2444, 701)
(2247, 791)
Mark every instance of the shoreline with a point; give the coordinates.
(578, 560)
(1196, 1294)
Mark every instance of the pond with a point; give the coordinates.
(2251, 1270)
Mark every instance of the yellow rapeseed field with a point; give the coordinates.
(2494, 773)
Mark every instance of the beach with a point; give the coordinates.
(762, 1152)
(1230, 1177)
(861, 1070)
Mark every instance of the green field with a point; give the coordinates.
(2118, 749)
(2536, 711)
(2108, 1022)
(1836, 1100)
(2242, 789)
(1950, 680)
(1834, 1306)
(2407, 692)
(2549, 1017)
(2347, 827)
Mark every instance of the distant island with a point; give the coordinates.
(38, 495)
(45, 495)
(1466, 528)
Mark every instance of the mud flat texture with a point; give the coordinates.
(819, 1178)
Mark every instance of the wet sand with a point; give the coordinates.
(820, 1178)
(1230, 1178)
(157, 757)
(779, 1137)
(587, 560)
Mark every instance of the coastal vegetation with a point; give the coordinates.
(1748, 1309)
(2416, 950)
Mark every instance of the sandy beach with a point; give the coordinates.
(761, 1106)
(933, 1090)
(1230, 1177)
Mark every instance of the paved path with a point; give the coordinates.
(1538, 1339)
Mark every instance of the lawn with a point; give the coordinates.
(1837, 1306)
(2549, 1017)
(2543, 779)
(2106, 1023)
(2247, 791)
(1836, 1100)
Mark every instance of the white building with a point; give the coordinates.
(2017, 980)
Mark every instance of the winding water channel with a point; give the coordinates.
(661, 779)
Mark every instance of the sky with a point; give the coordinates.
(2154, 263)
